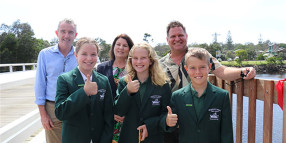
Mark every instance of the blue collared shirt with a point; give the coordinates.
(51, 63)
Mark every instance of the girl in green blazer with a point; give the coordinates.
(200, 109)
(143, 95)
(84, 99)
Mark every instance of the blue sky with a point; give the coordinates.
(245, 19)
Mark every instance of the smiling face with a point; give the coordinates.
(66, 34)
(177, 39)
(198, 70)
(141, 61)
(121, 48)
(86, 58)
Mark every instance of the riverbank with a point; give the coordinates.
(260, 68)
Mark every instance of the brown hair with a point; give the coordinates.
(123, 36)
(173, 24)
(86, 40)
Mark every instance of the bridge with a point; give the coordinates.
(20, 121)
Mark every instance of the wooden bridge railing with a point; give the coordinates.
(260, 89)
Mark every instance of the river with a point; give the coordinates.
(277, 115)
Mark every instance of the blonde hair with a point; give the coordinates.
(86, 40)
(199, 53)
(158, 76)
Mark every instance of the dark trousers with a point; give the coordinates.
(172, 137)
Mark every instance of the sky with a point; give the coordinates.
(245, 19)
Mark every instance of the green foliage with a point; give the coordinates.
(260, 57)
(148, 38)
(104, 49)
(162, 49)
(241, 54)
(18, 44)
(229, 44)
(230, 54)
(274, 61)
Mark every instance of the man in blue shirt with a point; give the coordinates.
(52, 62)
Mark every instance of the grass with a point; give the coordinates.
(245, 63)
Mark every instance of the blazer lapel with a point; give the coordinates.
(189, 103)
(208, 100)
(78, 78)
(147, 93)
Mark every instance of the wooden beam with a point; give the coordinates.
(268, 111)
(252, 111)
(239, 111)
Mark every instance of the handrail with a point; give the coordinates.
(18, 64)
(255, 89)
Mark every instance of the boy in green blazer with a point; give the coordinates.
(84, 99)
(201, 110)
(143, 95)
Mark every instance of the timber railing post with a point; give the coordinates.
(239, 111)
(268, 111)
(252, 92)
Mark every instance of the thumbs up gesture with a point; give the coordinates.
(132, 86)
(90, 88)
(171, 119)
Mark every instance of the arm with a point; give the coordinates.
(66, 103)
(231, 73)
(123, 101)
(226, 125)
(154, 123)
(40, 92)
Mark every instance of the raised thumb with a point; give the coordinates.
(88, 78)
(169, 110)
(129, 78)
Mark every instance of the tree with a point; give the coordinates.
(241, 54)
(19, 41)
(229, 54)
(260, 57)
(104, 49)
(147, 38)
(162, 49)
(229, 41)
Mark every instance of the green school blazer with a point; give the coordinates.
(215, 122)
(149, 112)
(85, 118)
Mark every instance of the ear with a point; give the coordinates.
(75, 34)
(75, 54)
(57, 33)
(210, 66)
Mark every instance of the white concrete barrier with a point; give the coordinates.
(19, 130)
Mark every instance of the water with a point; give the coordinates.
(277, 116)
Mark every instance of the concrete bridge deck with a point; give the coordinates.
(17, 98)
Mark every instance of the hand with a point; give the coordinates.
(249, 72)
(171, 119)
(90, 88)
(144, 132)
(118, 118)
(47, 122)
(132, 86)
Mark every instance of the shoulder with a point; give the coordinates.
(100, 76)
(180, 91)
(217, 90)
(104, 65)
(165, 59)
(68, 74)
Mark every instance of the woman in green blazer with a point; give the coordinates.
(200, 109)
(143, 95)
(84, 99)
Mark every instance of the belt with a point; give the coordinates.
(50, 101)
